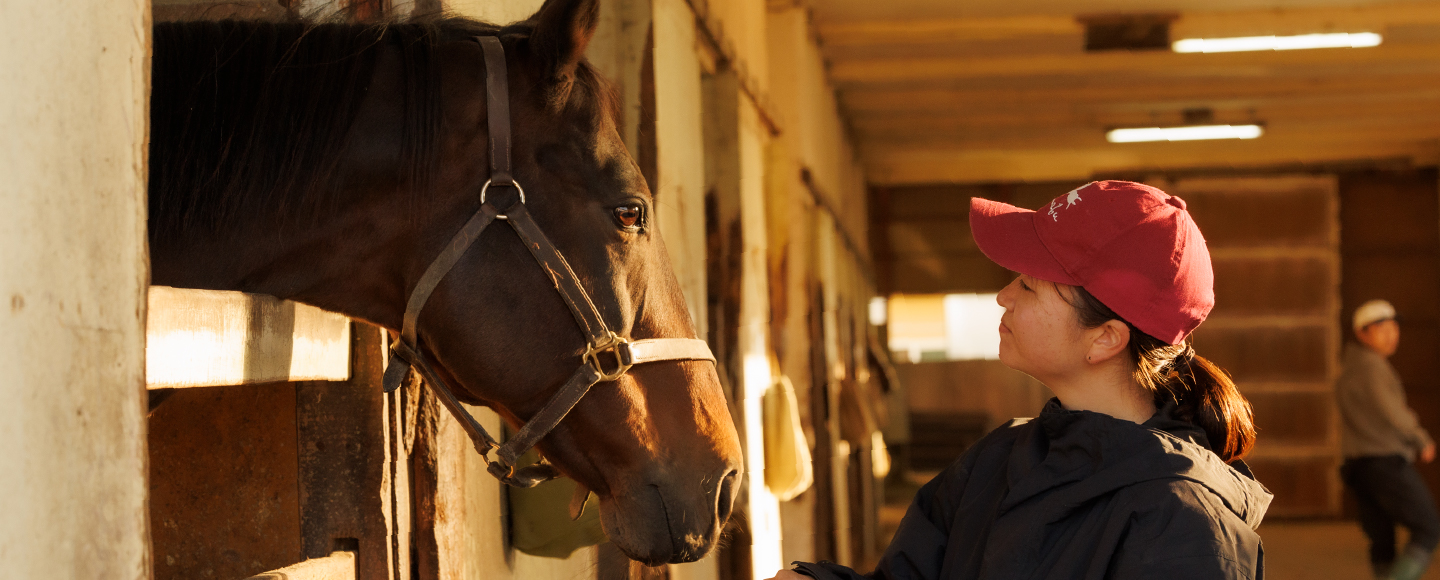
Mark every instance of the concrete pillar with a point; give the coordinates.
(753, 345)
(73, 274)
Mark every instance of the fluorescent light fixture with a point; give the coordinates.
(1297, 42)
(1190, 133)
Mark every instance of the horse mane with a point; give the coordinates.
(251, 116)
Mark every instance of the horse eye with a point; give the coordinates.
(629, 215)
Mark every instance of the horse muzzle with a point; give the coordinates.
(666, 521)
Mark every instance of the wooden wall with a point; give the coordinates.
(1390, 247)
(1274, 245)
(921, 235)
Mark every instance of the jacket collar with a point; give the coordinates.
(1077, 456)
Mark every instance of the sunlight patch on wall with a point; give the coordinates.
(940, 327)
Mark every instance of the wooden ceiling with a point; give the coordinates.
(999, 90)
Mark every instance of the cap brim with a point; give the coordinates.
(1006, 234)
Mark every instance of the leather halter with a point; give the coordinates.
(608, 356)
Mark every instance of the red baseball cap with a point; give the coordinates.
(1131, 246)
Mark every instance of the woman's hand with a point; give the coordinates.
(790, 575)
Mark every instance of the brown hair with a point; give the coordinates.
(1205, 394)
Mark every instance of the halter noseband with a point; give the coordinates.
(608, 356)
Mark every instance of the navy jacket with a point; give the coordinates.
(1079, 495)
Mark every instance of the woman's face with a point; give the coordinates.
(1040, 333)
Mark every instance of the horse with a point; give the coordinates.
(329, 163)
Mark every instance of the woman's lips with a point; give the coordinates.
(1004, 329)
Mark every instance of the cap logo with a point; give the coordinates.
(1070, 199)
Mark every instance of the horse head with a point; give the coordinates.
(657, 446)
(331, 163)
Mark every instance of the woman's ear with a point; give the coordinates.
(563, 28)
(1107, 341)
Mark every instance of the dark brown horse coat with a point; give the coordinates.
(1080, 495)
(330, 163)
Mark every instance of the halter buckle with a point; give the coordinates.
(618, 347)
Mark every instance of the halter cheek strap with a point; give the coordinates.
(607, 357)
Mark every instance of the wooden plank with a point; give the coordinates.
(1374, 107)
(1416, 58)
(840, 32)
(178, 10)
(900, 166)
(200, 338)
(1358, 136)
(344, 462)
(875, 32)
(860, 99)
(339, 565)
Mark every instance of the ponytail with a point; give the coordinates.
(1205, 395)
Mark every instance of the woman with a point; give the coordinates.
(1133, 470)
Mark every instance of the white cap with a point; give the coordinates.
(1372, 312)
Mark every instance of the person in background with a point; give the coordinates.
(1133, 471)
(1381, 439)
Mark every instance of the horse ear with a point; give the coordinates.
(563, 29)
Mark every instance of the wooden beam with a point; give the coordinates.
(861, 100)
(336, 566)
(1374, 18)
(894, 165)
(863, 33)
(1337, 131)
(197, 338)
(1389, 58)
(1367, 109)
(947, 30)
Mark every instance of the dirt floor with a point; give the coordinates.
(1294, 550)
(1318, 550)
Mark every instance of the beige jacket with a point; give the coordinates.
(1374, 417)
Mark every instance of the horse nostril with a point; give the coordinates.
(725, 499)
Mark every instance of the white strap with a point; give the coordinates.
(663, 349)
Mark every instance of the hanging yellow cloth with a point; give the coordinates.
(789, 470)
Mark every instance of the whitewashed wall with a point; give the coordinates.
(73, 272)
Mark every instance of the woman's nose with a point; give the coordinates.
(1005, 297)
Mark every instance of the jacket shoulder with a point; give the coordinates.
(1180, 529)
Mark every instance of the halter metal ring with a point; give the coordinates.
(618, 347)
(486, 188)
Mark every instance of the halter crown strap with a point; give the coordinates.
(497, 98)
(623, 353)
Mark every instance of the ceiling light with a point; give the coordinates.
(1298, 42)
(1187, 133)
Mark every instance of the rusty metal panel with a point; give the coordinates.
(224, 500)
